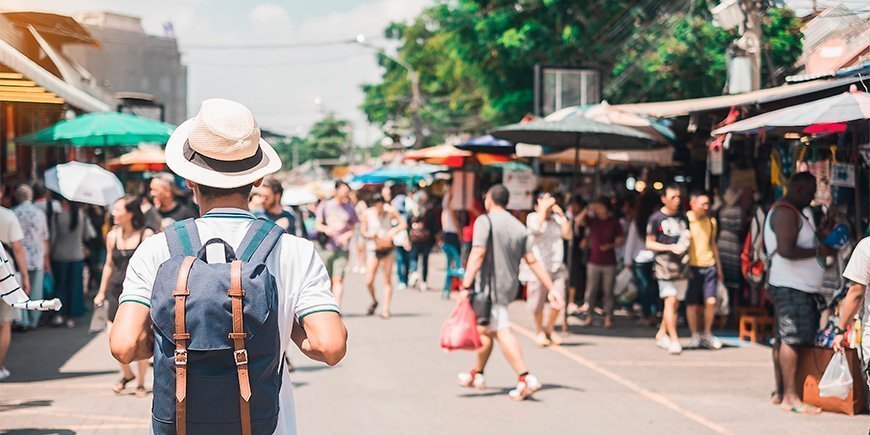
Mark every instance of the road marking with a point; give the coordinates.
(54, 412)
(654, 397)
(621, 363)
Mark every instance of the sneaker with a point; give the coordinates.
(554, 339)
(675, 348)
(57, 320)
(695, 342)
(542, 340)
(402, 286)
(525, 388)
(472, 379)
(414, 280)
(4, 373)
(711, 342)
(663, 343)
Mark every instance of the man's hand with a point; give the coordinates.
(554, 299)
(837, 345)
(676, 249)
(606, 247)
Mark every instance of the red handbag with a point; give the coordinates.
(459, 331)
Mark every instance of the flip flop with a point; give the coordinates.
(122, 384)
(141, 392)
(803, 409)
(372, 308)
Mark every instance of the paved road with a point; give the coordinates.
(396, 380)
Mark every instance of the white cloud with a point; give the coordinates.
(269, 14)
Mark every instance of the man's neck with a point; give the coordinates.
(239, 202)
(669, 212)
(275, 210)
(495, 208)
(168, 206)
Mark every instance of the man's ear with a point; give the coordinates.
(258, 183)
(190, 184)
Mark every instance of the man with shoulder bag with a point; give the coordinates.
(500, 242)
(217, 300)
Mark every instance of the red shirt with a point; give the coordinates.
(602, 232)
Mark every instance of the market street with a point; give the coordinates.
(396, 380)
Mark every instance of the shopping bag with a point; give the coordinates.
(459, 331)
(837, 381)
(623, 280)
(812, 363)
(100, 318)
(723, 301)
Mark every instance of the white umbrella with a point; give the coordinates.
(84, 182)
(848, 106)
(294, 196)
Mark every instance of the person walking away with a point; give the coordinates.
(336, 220)
(72, 230)
(500, 243)
(378, 230)
(548, 228)
(639, 260)
(422, 231)
(359, 242)
(577, 245)
(794, 280)
(271, 192)
(706, 273)
(234, 159)
(396, 198)
(605, 235)
(858, 272)
(732, 220)
(12, 236)
(167, 208)
(36, 247)
(121, 242)
(668, 236)
(449, 222)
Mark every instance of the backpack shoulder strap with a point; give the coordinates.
(259, 241)
(183, 238)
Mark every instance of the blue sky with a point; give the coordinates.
(280, 86)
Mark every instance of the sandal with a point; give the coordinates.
(803, 408)
(385, 316)
(372, 308)
(122, 384)
(141, 392)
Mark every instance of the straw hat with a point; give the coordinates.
(221, 147)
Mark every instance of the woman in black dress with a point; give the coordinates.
(121, 242)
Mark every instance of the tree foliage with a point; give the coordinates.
(327, 139)
(476, 57)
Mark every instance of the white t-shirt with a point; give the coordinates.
(858, 271)
(302, 282)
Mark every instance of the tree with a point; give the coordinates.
(329, 138)
(476, 57)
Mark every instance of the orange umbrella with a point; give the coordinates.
(449, 155)
(140, 159)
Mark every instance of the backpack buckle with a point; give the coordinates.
(180, 357)
(241, 356)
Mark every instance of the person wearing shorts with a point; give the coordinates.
(336, 221)
(705, 273)
(668, 236)
(548, 228)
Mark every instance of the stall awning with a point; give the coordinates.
(41, 81)
(14, 88)
(671, 109)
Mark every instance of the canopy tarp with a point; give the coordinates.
(99, 130)
(398, 174)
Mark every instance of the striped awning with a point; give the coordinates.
(15, 88)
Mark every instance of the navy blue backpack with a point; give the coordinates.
(217, 350)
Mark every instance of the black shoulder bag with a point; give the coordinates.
(481, 300)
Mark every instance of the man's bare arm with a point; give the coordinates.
(475, 261)
(786, 226)
(322, 337)
(131, 338)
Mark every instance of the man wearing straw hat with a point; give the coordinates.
(222, 156)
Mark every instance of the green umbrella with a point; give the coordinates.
(576, 132)
(99, 130)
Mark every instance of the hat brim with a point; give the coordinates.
(205, 176)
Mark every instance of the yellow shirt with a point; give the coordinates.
(703, 232)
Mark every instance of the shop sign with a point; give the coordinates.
(521, 184)
(843, 175)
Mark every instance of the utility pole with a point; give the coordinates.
(752, 39)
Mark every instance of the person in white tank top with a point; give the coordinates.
(795, 277)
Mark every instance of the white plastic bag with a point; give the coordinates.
(723, 301)
(837, 380)
(623, 279)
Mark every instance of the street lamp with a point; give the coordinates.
(414, 78)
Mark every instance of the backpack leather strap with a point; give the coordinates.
(181, 337)
(237, 294)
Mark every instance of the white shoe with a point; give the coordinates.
(4, 373)
(695, 342)
(663, 343)
(555, 339)
(675, 348)
(525, 388)
(414, 280)
(711, 342)
(472, 379)
(542, 340)
(402, 286)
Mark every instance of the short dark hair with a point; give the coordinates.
(339, 183)
(274, 185)
(697, 193)
(671, 186)
(216, 192)
(499, 195)
(801, 178)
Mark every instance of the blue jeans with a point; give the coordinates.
(418, 250)
(647, 288)
(403, 260)
(30, 318)
(68, 286)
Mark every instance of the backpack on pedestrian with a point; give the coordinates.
(754, 259)
(217, 349)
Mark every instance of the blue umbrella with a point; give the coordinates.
(488, 144)
(398, 174)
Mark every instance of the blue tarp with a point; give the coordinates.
(398, 174)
